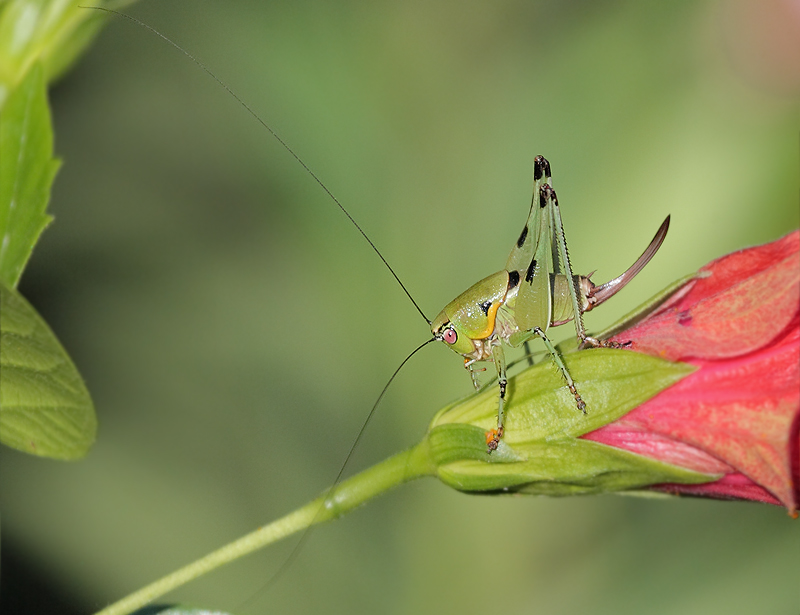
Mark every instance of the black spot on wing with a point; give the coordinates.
(522, 236)
(513, 279)
(485, 307)
(547, 193)
(531, 271)
(540, 167)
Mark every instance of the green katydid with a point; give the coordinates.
(535, 291)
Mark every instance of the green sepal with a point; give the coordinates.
(45, 408)
(541, 451)
(27, 171)
(572, 467)
(539, 406)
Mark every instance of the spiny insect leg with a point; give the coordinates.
(563, 369)
(562, 253)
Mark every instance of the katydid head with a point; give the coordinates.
(450, 333)
(467, 323)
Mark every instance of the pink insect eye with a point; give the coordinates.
(450, 336)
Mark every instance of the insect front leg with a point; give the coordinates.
(493, 436)
(468, 365)
(563, 368)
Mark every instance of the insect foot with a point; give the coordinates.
(593, 342)
(578, 399)
(588, 341)
(493, 437)
(610, 344)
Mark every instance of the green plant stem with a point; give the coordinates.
(401, 468)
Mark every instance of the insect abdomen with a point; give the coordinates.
(562, 303)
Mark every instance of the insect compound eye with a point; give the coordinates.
(450, 336)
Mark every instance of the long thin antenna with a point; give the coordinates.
(332, 489)
(269, 129)
(330, 492)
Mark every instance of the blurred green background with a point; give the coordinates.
(235, 330)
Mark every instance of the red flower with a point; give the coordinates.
(738, 415)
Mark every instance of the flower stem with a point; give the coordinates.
(401, 468)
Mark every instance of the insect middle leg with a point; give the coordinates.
(563, 368)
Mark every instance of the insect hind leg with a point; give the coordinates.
(562, 368)
(593, 342)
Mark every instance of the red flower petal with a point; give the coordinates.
(739, 414)
(749, 297)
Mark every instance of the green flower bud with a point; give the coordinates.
(542, 452)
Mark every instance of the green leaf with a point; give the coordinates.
(45, 408)
(27, 171)
(51, 33)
